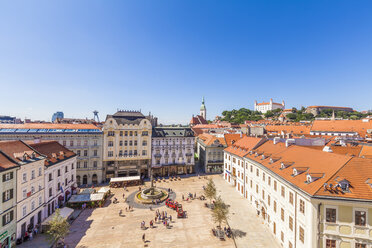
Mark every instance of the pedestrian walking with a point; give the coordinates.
(170, 218)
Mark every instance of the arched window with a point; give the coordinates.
(78, 180)
(85, 179)
(94, 179)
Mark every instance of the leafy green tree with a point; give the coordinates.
(210, 190)
(220, 212)
(291, 116)
(59, 228)
(269, 114)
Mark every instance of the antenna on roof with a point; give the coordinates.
(95, 112)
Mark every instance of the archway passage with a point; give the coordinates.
(94, 179)
(78, 180)
(85, 179)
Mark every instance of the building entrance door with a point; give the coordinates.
(23, 229)
(39, 217)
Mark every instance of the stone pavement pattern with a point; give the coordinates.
(243, 218)
(102, 227)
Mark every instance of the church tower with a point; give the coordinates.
(203, 110)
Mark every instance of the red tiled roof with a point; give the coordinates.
(357, 171)
(54, 151)
(48, 126)
(358, 126)
(316, 162)
(242, 146)
(15, 149)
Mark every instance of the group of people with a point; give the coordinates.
(190, 196)
(155, 202)
(31, 232)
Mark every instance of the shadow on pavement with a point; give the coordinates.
(238, 233)
(79, 228)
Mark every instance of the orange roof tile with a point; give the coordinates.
(242, 146)
(316, 163)
(357, 126)
(357, 171)
(366, 152)
(231, 138)
(294, 129)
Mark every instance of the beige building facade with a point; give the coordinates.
(127, 144)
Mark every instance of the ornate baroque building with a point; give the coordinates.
(172, 151)
(127, 144)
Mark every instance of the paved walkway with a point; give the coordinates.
(243, 219)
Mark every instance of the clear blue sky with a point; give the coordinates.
(163, 56)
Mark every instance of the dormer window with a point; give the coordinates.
(369, 182)
(263, 156)
(311, 177)
(299, 170)
(308, 178)
(284, 165)
(344, 185)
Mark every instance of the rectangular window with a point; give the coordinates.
(24, 177)
(275, 206)
(263, 195)
(331, 215)
(330, 243)
(8, 217)
(282, 214)
(85, 142)
(275, 185)
(59, 172)
(110, 143)
(50, 192)
(7, 176)
(282, 236)
(121, 133)
(302, 235)
(257, 172)
(95, 164)
(85, 153)
(144, 152)
(360, 245)
(85, 164)
(50, 177)
(78, 164)
(24, 193)
(71, 143)
(110, 154)
(268, 200)
(78, 152)
(290, 223)
(360, 218)
(290, 245)
(144, 143)
(95, 152)
(291, 198)
(24, 211)
(269, 181)
(64, 143)
(40, 171)
(283, 191)
(263, 176)
(130, 133)
(302, 206)
(7, 195)
(251, 168)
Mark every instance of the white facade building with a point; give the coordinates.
(172, 151)
(263, 107)
(60, 174)
(30, 184)
(303, 195)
